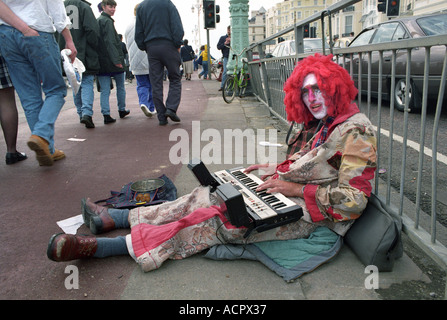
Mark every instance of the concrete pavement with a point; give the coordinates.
(134, 148)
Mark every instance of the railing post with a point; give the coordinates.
(435, 150)
(264, 76)
(328, 13)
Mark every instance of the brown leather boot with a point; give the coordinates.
(41, 147)
(58, 155)
(66, 247)
(96, 217)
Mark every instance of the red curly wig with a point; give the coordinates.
(334, 82)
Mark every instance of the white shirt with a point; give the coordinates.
(41, 15)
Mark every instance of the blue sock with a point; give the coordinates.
(108, 247)
(120, 217)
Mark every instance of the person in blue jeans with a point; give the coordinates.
(34, 62)
(111, 59)
(85, 37)
(205, 69)
(105, 85)
(139, 65)
(144, 91)
(204, 55)
(224, 46)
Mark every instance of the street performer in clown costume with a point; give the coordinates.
(331, 178)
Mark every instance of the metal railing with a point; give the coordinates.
(267, 80)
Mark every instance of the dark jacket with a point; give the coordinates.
(110, 50)
(187, 53)
(85, 34)
(221, 46)
(158, 22)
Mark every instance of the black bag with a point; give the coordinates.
(375, 237)
(125, 199)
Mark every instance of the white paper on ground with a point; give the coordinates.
(71, 225)
(76, 139)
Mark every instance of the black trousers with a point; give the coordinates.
(161, 56)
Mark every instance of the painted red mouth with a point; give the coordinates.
(316, 106)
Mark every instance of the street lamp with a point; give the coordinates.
(198, 6)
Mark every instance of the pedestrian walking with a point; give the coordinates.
(33, 59)
(188, 55)
(223, 45)
(126, 60)
(159, 32)
(9, 118)
(111, 59)
(86, 38)
(196, 61)
(139, 65)
(204, 58)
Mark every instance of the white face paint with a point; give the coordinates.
(313, 98)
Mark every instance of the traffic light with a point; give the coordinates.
(393, 8)
(306, 31)
(381, 7)
(209, 14)
(217, 10)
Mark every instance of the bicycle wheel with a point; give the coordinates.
(229, 89)
(214, 71)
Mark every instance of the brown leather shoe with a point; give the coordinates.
(58, 155)
(41, 147)
(96, 217)
(66, 247)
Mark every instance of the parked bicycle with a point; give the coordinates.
(237, 82)
(216, 68)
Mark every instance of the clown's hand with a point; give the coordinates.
(265, 170)
(286, 188)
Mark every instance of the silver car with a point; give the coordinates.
(287, 48)
(395, 30)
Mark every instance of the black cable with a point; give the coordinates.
(225, 244)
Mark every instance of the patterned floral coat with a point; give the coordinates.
(338, 175)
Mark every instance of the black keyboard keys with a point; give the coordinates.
(268, 198)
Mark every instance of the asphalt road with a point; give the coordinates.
(393, 149)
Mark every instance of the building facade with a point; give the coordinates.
(256, 25)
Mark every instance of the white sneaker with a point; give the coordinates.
(146, 111)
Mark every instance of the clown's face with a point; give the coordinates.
(313, 97)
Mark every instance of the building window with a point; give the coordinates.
(349, 9)
(348, 24)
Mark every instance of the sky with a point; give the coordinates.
(125, 8)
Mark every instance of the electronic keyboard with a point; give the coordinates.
(246, 207)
